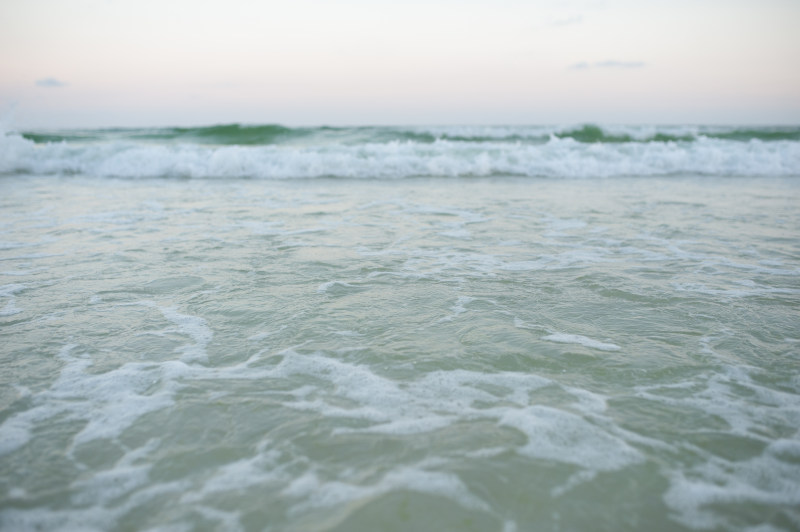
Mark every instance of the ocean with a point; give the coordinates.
(522, 328)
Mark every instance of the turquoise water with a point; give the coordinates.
(401, 353)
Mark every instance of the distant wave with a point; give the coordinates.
(228, 134)
(269, 134)
(278, 152)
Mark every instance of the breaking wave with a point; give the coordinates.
(278, 152)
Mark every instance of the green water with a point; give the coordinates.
(258, 135)
(419, 354)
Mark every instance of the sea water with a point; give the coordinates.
(346, 329)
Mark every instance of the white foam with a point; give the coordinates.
(441, 398)
(259, 469)
(108, 402)
(698, 496)
(719, 397)
(564, 437)
(555, 158)
(700, 491)
(127, 475)
(194, 327)
(92, 518)
(562, 338)
(318, 493)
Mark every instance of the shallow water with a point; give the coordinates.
(417, 354)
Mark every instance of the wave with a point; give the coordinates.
(226, 134)
(278, 152)
(274, 134)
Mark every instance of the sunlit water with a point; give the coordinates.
(498, 354)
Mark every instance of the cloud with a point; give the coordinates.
(620, 64)
(576, 19)
(50, 83)
(583, 65)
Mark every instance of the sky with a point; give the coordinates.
(133, 63)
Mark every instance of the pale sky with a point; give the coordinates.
(93, 63)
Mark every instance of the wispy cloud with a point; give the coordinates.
(567, 21)
(50, 83)
(584, 65)
(620, 64)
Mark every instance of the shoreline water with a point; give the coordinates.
(482, 353)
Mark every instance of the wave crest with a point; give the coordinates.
(277, 152)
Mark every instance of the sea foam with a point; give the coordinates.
(557, 157)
